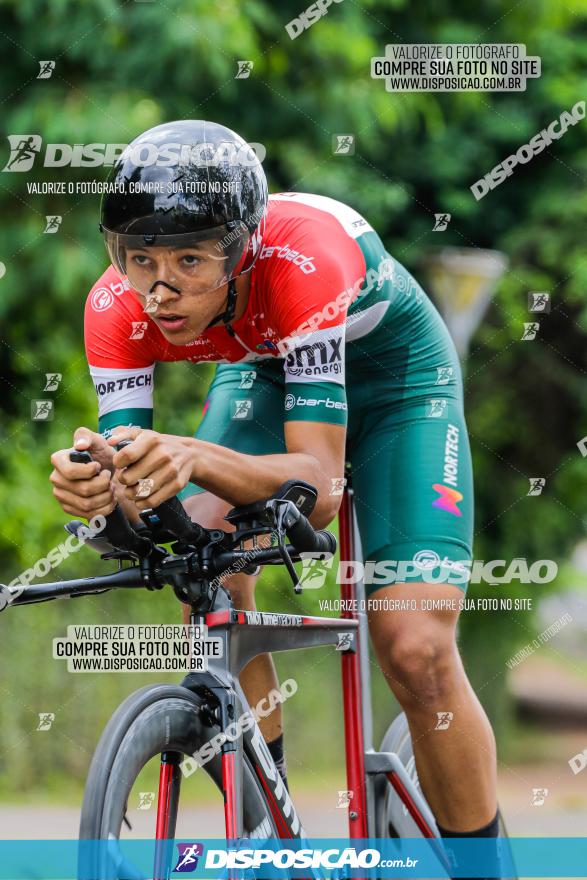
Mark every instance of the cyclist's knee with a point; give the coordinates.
(423, 667)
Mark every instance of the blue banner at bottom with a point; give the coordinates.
(209, 859)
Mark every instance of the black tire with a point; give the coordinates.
(153, 720)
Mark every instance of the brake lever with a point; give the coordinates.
(280, 511)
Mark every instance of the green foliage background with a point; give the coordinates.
(122, 67)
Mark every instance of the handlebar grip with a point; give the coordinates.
(118, 531)
(306, 539)
(121, 534)
(172, 517)
(78, 456)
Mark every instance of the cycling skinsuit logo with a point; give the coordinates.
(291, 401)
(268, 345)
(188, 855)
(286, 253)
(317, 355)
(126, 383)
(102, 299)
(451, 456)
(317, 358)
(449, 498)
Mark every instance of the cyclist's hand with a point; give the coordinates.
(154, 467)
(84, 490)
(85, 440)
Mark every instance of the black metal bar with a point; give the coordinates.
(258, 556)
(130, 577)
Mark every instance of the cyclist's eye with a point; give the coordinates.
(190, 260)
(141, 260)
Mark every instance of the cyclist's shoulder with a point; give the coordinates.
(117, 331)
(313, 211)
(110, 295)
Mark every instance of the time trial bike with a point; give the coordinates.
(206, 718)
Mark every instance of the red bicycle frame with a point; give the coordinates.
(351, 684)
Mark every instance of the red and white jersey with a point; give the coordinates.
(310, 268)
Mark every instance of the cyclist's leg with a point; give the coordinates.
(259, 432)
(402, 452)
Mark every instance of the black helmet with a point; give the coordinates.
(185, 182)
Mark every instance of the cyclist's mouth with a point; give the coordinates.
(172, 322)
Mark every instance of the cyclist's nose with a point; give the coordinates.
(160, 285)
(165, 278)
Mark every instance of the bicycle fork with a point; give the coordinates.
(167, 805)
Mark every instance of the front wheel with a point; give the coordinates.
(141, 749)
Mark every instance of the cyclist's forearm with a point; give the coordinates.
(241, 479)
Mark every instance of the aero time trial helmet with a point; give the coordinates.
(185, 183)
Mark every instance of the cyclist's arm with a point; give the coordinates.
(315, 415)
(315, 454)
(121, 367)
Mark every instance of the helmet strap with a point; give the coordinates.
(228, 314)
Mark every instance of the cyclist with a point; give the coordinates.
(327, 349)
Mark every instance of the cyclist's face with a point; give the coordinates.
(178, 288)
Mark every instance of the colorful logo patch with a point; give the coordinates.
(267, 344)
(102, 299)
(449, 498)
